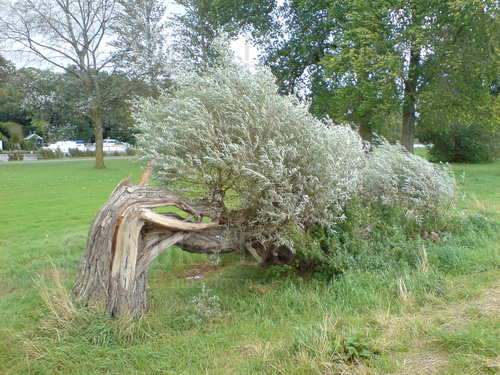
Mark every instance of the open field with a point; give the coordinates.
(226, 315)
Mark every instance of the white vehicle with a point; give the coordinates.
(65, 146)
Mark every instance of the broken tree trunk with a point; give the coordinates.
(126, 236)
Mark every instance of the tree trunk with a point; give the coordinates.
(126, 236)
(99, 149)
(409, 103)
(365, 132)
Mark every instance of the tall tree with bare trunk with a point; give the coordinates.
(87, 37)
(66, 34)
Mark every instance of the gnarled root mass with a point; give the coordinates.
(127, 235)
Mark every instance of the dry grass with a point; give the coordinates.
(56, 298)
(410, 331)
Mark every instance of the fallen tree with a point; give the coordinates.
(264, 171)
(262, 167)
(127, 235)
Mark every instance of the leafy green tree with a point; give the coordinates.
(7, 69)
(56, 100)
(372, 62)
(463, 69)
(67, 32)
(12, 95)
(12, 133)
(397, 56)
(195, 31)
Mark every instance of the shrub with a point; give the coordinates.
(292, 178)
(130, 151)
(75, 153)
(49, 154)
(392, 176)
(402, 198)
(465, 144)
(13, 133)
(16, 156)
(229, 130)
(29, 145)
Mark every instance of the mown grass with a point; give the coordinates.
(441, 314)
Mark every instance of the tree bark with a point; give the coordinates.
(99, 149)
(365, 132)
(117, 241)
(409, 103)
(126, 236)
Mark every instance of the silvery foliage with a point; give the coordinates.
(394, 176)
(229, 130)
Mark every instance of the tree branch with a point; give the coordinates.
(174, 224)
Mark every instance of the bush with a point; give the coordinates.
(465, 144)
(12, 132)
(373, 237)
(229, 130)
(130, 151)
(402, 198)
(379, 238)
(16, 155)
(49, 154)
(29, 145)
(75, 153)
(394, 177)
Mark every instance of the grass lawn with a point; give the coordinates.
(228, 316)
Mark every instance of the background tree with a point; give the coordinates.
(200, 22)
(194, 31)
(464, 68)
(7, 69)
(15, 118)
(12, 133)
(67, 33)
(52, 115)
(58, 108)
(382, 61)
(140, 41)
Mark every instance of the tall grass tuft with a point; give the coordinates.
(57, 299)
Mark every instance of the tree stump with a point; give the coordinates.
(126, 236)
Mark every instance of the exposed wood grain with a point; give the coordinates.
(173, 223)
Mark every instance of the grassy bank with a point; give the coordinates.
(228, 316)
